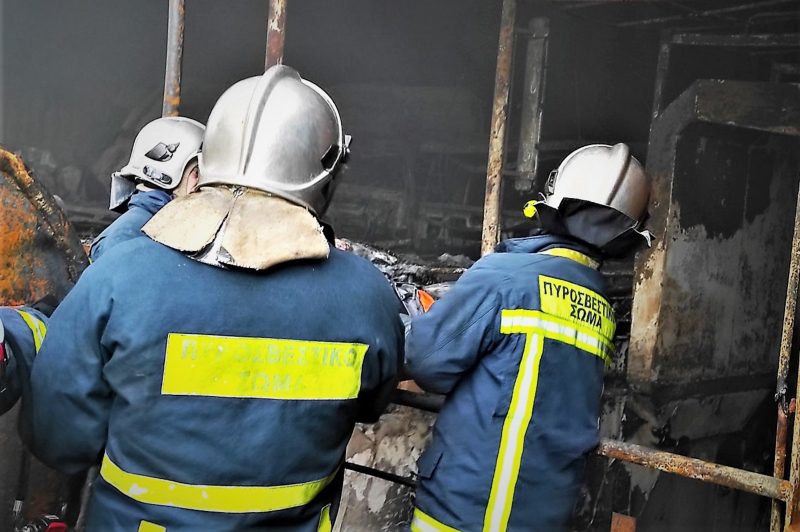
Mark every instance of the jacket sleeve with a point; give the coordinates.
(383, 375)
(24, 330)
(448, 341)
(71, 398)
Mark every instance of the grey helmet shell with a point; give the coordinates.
(277, 133)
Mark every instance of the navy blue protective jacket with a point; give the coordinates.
(24, 330)
(214, 399)
(519, 346)
(141, 207)
(23, 325)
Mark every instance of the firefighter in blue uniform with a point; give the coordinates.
(22, 331)
(519, 346)
(163, 165)
(216, 369)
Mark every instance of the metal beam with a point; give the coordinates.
(662, 70)
(790, 309)
(763, 40)
(494, 170)
(172, 76)
(730, 477)
(276, 32)
(377, 473)
(532, 102)
(707, 13)
(684, 466)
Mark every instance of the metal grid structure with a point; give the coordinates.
(776, 487)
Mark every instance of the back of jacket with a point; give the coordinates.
(519, 345)
(215, 399)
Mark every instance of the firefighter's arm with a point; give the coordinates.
(446, 342)
(381, 370)
(22, 331)
(71, 398)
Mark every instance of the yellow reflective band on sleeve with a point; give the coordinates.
(571, 254)
(325, 524)
(37, 327)
(224, 499)
(262, 368)
(512, 440)
(584, 308)
(147, 526)
(422, 522)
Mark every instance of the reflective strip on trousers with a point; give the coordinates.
(537, 327)
(422, 522)
(224, 499)
(571, 254)
(37, 327)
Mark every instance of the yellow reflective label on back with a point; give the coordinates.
(578, 305)
(263, 368)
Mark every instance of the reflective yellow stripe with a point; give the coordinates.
(577, 304)
(147, 526)
(37, 327)
(325, 520)
(422, 522)
(536, 326)
(227, 499)
(571, 254)
(509, 455)
(536, 322)
(263, 368)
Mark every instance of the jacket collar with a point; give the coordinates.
(546, 241)
(150, 200)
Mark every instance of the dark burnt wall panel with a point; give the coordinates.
(729, 255)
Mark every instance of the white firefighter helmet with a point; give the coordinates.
(161, 152)
(277, 133)
(604, 175)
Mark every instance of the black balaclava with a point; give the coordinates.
(614, 234)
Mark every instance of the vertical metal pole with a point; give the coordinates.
(662, 71)
(172, 77)
(779, 469)
(494, 170)
(276, 26)
(783, 372)
(532, 98)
